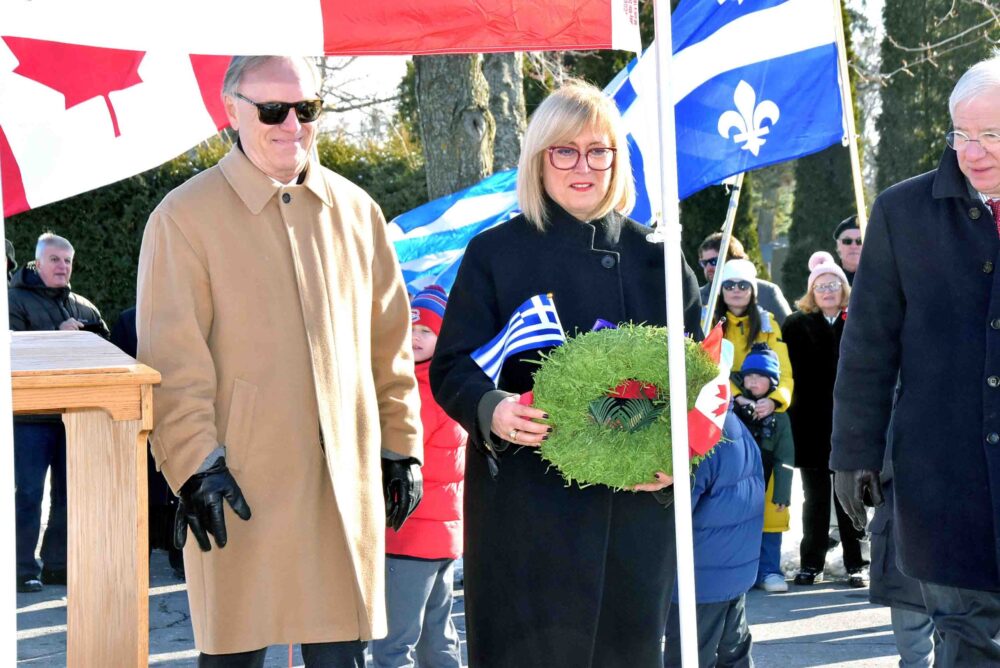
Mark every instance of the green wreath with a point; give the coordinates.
(598, 438)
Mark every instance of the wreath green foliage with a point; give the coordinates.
(586, 369)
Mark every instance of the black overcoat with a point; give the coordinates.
(555, 575)
(926, 306)
(814, 349)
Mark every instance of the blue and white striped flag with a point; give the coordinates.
(756, 83)
(534, 324)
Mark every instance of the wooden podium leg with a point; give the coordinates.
(108, 553)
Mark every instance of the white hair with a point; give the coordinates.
(50, 240)
(978, 79)
(240, 65)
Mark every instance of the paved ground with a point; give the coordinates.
(824, 625)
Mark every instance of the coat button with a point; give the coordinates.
(286, 198)
(608, 261)
(987, 267)
(995, 323)
(975, 213)
(993, 438)
(993, 381)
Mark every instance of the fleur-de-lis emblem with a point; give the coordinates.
(748, 119)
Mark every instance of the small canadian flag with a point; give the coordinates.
(705, 420)
(74, 118)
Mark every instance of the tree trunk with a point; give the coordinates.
(506, 84)
(456, 126)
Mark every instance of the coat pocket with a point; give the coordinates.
(238, 426)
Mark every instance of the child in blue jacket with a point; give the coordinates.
(727, 504)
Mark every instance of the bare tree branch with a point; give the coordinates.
(928, 53)
(362, 103)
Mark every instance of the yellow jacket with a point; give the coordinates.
(737, 330)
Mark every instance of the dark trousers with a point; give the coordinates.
(347, 654)
(817, 485)
(723, 635)
(39, 446)
(968, 622)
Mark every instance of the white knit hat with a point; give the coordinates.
(740, 270)
(821, 263)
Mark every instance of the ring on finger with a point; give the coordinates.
(513, 434)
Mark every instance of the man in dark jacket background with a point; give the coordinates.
(39, 298)
(847, 235)
(925, 309)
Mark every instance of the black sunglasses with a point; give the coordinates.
(710, 262)
(733, 285)
(275, 113)
(847, 241)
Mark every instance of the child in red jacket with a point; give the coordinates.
(420, 557)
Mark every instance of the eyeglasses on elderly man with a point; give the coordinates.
(958, 140)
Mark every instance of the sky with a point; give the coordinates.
(376, 76)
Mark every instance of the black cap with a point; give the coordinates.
(850, 223)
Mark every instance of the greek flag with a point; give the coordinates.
(534, 324)
(756, 83)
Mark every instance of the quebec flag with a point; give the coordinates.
(755, 83)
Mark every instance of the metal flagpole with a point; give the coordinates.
(727, 234)
(8, 611)
(671, 225)
(848, 103)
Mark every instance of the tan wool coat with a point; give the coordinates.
(278, 318)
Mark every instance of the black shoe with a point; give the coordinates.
(808, 576)
(55, 576)
(858, 577)
(28, 584)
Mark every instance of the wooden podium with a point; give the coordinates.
(105, 398)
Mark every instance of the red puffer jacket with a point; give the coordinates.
(434, 531)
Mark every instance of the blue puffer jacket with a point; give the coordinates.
(727, 501)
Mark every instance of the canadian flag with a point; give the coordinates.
(74, 118)
(705, 420)
(333, 27)
(93, 92)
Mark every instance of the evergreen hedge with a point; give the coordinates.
(105, 225)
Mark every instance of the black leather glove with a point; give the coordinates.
(855, 490)
(403, 486)
(200, 506)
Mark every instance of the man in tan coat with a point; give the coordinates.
(274, 308)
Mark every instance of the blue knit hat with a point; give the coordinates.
(762, 360)
(427, 307)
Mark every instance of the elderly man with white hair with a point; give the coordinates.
(925, 312)
(39, 298)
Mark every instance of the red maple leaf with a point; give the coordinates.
(80, 73)
(723, 405)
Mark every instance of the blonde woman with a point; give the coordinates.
(557, 574)
(813, 338)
